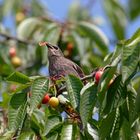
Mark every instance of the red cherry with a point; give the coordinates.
(98, 76)
(46, 99)
(12, 52)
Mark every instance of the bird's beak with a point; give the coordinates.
(49, 45)
(46, 44)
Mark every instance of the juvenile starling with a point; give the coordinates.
(59, 66)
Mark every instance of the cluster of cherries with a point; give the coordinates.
(53, 101)
(15, 60)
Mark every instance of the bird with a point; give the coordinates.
(60, 66)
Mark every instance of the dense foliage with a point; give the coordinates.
(107, 107)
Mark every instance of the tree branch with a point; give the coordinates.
(8, 37)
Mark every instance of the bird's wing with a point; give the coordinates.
(76, 68)
(79, 70)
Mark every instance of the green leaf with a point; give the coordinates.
(74, 86)
(7, 6)
(18, 78)
(39, 89)
(116, 57)
(115, 96)
(21, 87)
(37, 8)
(130, 56)
(26, 28)
(132, 105)
(52, 123)
(79, 41)
(104, 82)
(126, 132)
(17, 111)
(92, 132)
(67, 132)
(134, 40)
(94, 33)
(77, 12)
(117, 17)
(7, 135)
(5, 100)
(87, 102)
(135, 83)
(26, 136)
(53, 33)
(38, 121)
(138, 103)
(134, 10)
(17, 99)
(53, 136)
(107, 125)
(130, 60)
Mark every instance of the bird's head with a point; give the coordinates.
(53, 50)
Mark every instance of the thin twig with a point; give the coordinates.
(8, 37)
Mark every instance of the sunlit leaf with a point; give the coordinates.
(130, 60)
(67, 132)
(93, 132)
(39, 89)
(17, 111)
(130, 56)
(18, 78)
(87, 102)
(74, 86)
(7, 135)
(26, 136)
